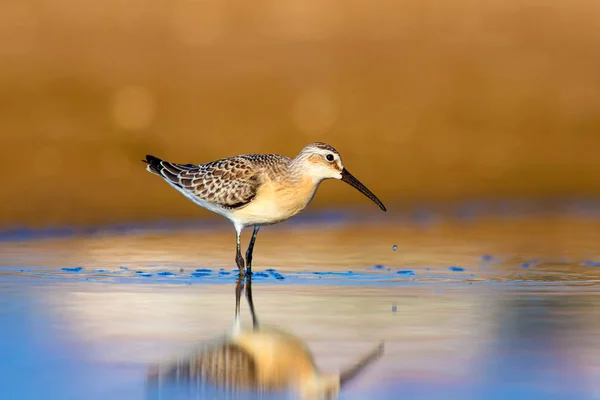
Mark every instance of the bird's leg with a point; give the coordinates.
(239, 286)
(239, 260)
(251, 302)
(251, 250)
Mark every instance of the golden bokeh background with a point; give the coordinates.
(426, 100)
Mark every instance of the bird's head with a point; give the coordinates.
(321, 161)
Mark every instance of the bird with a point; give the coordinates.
(263, 359)
(257, 189)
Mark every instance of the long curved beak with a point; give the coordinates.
(355, 183)
(355, 370)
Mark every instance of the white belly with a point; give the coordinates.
(273, 203)
(202, 203)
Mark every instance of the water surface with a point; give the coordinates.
(472, 310)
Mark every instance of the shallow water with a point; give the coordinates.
(486, 309)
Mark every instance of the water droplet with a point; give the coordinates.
(394, 247)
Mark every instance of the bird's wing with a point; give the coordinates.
(229, 182)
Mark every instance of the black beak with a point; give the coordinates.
(368, 359)
(352, 181)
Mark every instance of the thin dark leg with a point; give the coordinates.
(239, 260)
(251, 250)
(251, 302)
(239, 286)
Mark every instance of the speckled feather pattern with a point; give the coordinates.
(252, 189)
(257, 189)
(324, 146)
(229, 182)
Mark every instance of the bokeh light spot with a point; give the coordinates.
(197, 23)
(134, 107)
(314, 112)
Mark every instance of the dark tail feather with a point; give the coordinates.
(153, 164)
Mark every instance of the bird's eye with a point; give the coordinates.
(330, 157)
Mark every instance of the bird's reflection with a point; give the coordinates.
(261, 361)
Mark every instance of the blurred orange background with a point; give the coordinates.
(426, 100)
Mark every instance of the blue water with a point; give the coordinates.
(181, 274)
(528, 359)
(495, 328)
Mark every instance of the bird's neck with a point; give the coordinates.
(300, 173)
(293, 191)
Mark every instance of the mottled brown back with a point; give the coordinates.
(229, 182)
